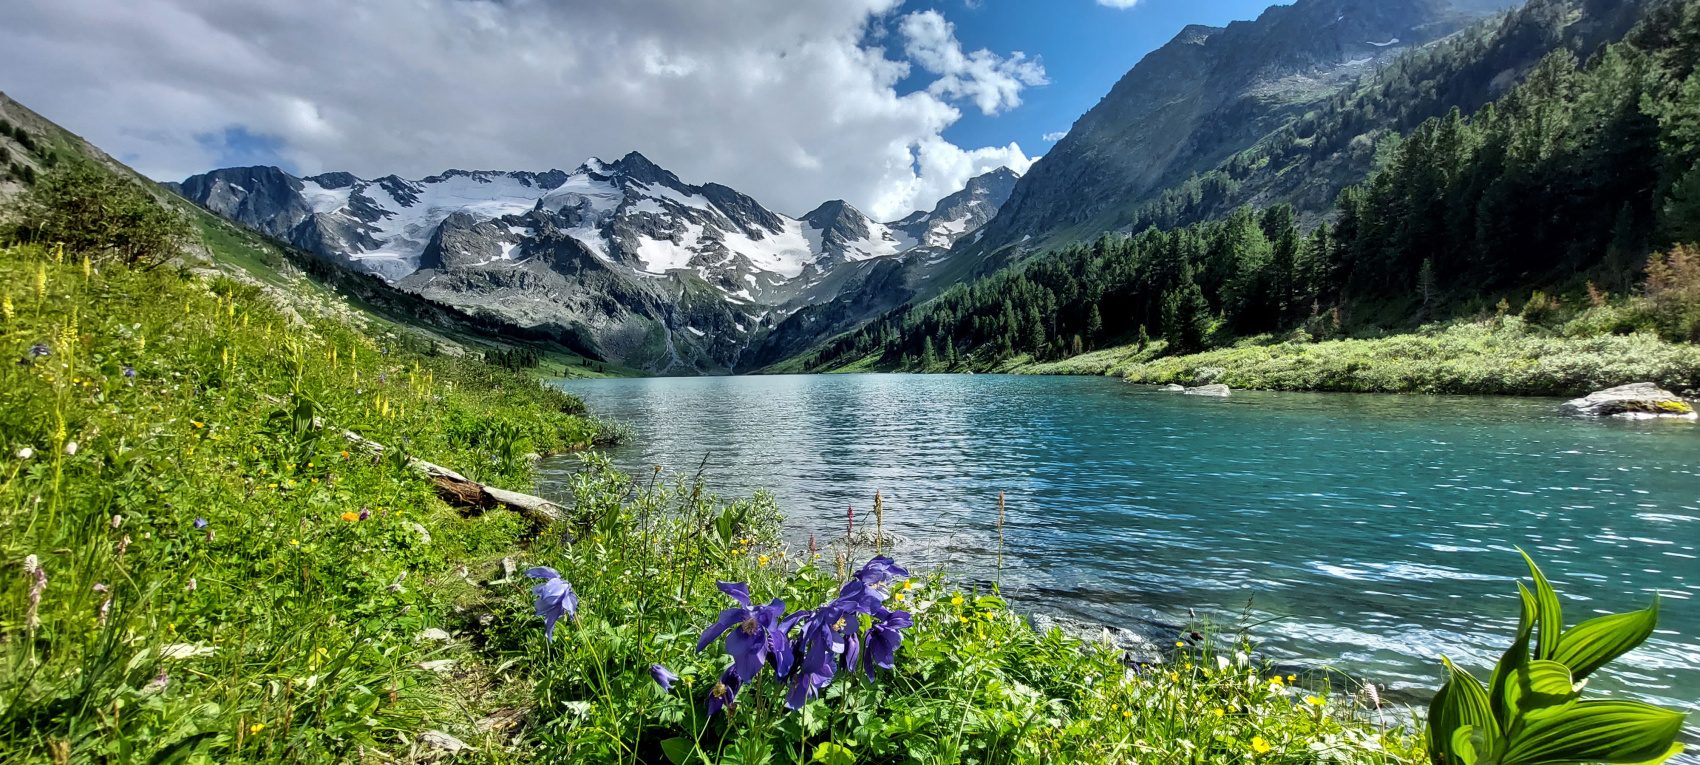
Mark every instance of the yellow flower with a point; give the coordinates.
(909, 585)
(1219, 713)
(1179, 644)
(256, 728)
(1174, 677)
(1127, 713)
(899, 597)
(1275, 681)
(351, 516)
(1291, 678)
(294, 542)
(762, 561)
(1313, 701)
(1259, 745)
(956, 601)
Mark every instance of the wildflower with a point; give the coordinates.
(71, 449)
(364, 514)
(762, 560)
(256, 728)
(39, 350)
(884, 638)
(190, 587)
(663, 677)
(724, 694)
(555, 597)
(956, 601)
(129, 371)
(117, 521)
(106, 606)
(1275, 681)
(760, 632)
(1259, 745)
(1127, 713)
(294, 542)
(351, 516)
(200, 523)
(123, 544)
(32, 564)
(26, 453)
(36, 590)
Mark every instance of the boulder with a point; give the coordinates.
(1640, 400)
(1173, 388)
(1218, 390)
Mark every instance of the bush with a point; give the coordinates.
(93, 212)
(1673, 288)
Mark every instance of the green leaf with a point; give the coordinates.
(1516, 657)
(1604, 731)
(1461, 702)
(677, 749)
(834, 754)
(1549, 615)
(1674, 750)
(1537, 685)
(1593, 643)
(1465, 740)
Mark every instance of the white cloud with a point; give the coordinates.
(992, 82)
(1118, 3)
(1054, 137)
(786, 100)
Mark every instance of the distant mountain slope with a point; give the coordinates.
(1207, 95)
(622, 259)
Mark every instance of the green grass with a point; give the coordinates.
(1496, 356)
(282, 630)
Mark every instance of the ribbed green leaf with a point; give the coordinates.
(1462, 702)
(1603, 731)
(1537, 685)
(1549, 615)
(1516, 657)
(1674, 750)
(1591, 644)
(1465, 740)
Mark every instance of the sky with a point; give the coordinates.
(888, 104)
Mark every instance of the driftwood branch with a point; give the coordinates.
(461, 491)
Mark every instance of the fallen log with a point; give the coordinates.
(460, 491)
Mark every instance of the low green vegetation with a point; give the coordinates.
(192, 557)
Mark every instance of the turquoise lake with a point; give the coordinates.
(1370, 533)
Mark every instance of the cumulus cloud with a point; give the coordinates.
(1118, 3)
(787, 100)
(992, 82)
(1054, 137)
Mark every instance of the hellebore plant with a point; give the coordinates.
(1531, 712)
(555, 598)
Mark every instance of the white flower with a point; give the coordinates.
(26, 453)
(117, 520)
(32, 564)
(71, 449)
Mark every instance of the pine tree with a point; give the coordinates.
(1094, 325)
(1186, 315)
(929, 359)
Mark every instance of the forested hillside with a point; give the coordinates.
(1549, 198)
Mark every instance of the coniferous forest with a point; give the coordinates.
(1558, 191)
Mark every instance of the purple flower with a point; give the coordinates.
(831, 633)
(760, 633)
(663, 677)
(554, 598)
(724, 694)
(129, 371)
(365, 514)
(879, 571)
(884, 638)
(200, 523)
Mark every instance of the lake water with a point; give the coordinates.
(1375, 532)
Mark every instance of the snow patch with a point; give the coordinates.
(1385, 44)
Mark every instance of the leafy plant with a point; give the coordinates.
(1531, 712)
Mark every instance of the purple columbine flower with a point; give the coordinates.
(884, 638)
(831, 634)
(129, 371)
(555, 598)
(200, 523)
(663, 677)
(39, 350)
(724, 694)
(761, 632)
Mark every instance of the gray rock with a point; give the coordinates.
(1173, 388)
(1144, 644)
(442, 742)
(1640, 401)
(434, 634)
(1218, 390)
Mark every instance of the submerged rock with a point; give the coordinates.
(1640, 400)
(1218, 390)
(1173, 388)
(1144, 645)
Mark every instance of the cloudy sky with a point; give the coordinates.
(889, 104)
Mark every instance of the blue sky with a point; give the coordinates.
(1085, 48)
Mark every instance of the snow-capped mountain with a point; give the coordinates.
(622, 258)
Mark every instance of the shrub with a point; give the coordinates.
(1673, 287)
(93, 212)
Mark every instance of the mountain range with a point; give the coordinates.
(625, 260)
